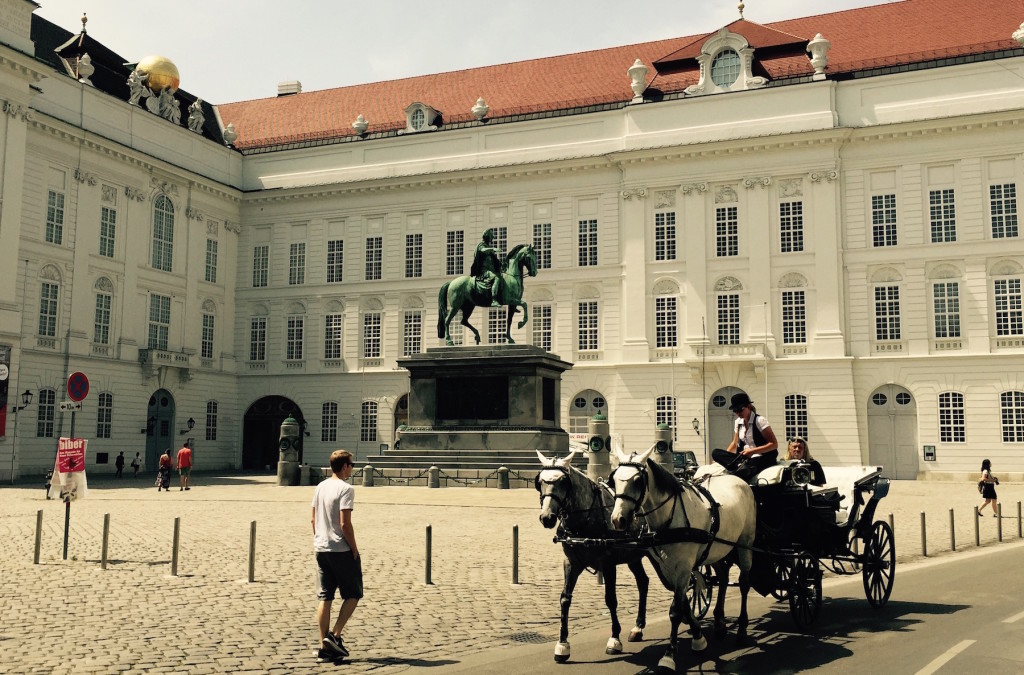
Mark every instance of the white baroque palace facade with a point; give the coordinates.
(829, 227)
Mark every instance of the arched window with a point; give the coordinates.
(582, 407)
(329, 422)
(211, 420)
(45, 413)
(1011, 413)
(952, 425)
(163, 233)
(368, 422)
(725, 68)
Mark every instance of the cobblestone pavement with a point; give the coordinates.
(74, 617)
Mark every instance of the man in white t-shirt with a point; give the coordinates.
(752, 438)
(337, 556)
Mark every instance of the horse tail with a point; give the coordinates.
(442, 308)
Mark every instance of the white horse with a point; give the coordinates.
(682, 517)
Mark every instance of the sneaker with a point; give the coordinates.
(327, 656)
(334, 644)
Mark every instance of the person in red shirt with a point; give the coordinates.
(184, 462)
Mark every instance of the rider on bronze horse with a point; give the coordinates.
(487, 267)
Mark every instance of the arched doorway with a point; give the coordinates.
(721, 420)
(582, 407)
(892, 432)
(261, 430)
(401, 415)
(159, 426)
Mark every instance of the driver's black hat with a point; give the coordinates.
(739, 401)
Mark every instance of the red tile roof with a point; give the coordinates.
(871, 37)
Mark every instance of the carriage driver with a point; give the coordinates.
(487, 265)
(752, 438)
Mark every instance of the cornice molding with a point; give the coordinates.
(22, 68)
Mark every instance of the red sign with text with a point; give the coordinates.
(71, 455)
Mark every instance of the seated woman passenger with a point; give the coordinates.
(797, 450)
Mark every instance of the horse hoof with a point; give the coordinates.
(699, 644)
(667, 664)
(636, 635)
(614, 646)
(561, 652)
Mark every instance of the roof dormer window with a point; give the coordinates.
(419, 117)
(725, 68)
(726, 62)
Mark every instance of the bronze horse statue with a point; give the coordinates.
(466, 292)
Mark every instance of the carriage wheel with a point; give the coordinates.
(701, 602)
(804, 591)
(782, 573)
(879, 564)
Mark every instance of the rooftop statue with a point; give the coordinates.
(492, 283)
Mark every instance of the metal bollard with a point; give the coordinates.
(428, 581)
(106, 535)
(39, 533)
(433, 477)
(952, 531)
(174, 550)
(999, 521)
(367, 476)
(924, 540)
(252, 551)
(1020, 534)
(515, 555)
(502, 477)
(977, 529)
(892, 525)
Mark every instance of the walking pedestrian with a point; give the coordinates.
(184, 462)
(337, 556)
(119, 464)
(163, 478)
(988, 490)
(136, 465)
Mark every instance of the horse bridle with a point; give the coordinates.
(641, 469)
(555, 498)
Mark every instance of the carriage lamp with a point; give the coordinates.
(26, 401)
(696, 426)
(190, 424)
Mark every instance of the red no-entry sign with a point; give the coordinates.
(78, 386)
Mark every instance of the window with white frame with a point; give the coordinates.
(665, 413)
(455, 329)
(501, 240)
(258, 338)
(946, 303)
(211, 420)
(211, 261)
(496, 328)
(942, 215)
(371, 335)
(794, 317)
(206, 344)
(887, 312)
(48, 309)
(541, 318)
(952, 427)
(796, 416)
(108, 223)
(454, 252)
(101, 324)
(260, 265)
(54, 217)
(159, 321)
(725, 68)
(587, 326)
(335, 260)
(294, 338)
(729, 319)
(329, 422)
(587, 240)
(665, 322)
(45, 413)
(163, 234)
(883, 220)
(1003, 210)
(1009, 317)
(727, 231)
(542, 244)
(413, 255)
(665, 235)
(412, 332)
(368, 422)
(332, 336)
(791, 226)
(1011, 415)
(104, 414)
(297, 264)
(374, 255)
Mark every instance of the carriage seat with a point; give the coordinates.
(846, 480)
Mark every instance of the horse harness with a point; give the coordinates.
(562, 511)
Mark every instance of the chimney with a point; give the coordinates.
(288, 88)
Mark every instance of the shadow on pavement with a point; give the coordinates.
(400, 661)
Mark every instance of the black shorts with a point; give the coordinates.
(339, 570)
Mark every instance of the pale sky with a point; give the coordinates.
(234, 50)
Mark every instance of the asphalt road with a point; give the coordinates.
(956, 614)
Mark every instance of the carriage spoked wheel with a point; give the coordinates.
(879, 564)
(804, 590)
(782, 570)
(701, 602)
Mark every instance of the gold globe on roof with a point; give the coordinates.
(163, 74)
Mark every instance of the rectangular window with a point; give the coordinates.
(942, 213)
(665, 413)
(332, 336)
(952, 428)
(48, 309)
(335, 260)
(163, 234)
(542, 244)
(665, 235)
(412, 333)
(206, 345)
(541, 317)
(368, 422)
(796, 416)
(329, 422)
(501, 241)
(496, 333)
(1011, 412)
(946, 301)
(588, 242)
(258, 338)
(104, 415)
(887, 313)
(45, 413)
(791, 226)
(108, 223)
(211, 420)
(371, 335)
(159, 321)
(293, 343)
(413, 256)
(374, 254)
(454, 253)
(101, 326)
(727, 231)
(794, 318)
(297, 264)
(729, 319)
(665, 333)
(883, 220)
(587, 326)
(1003, 208)
(55, 217)
(1009, 317)
(260, 265)
(211, 261)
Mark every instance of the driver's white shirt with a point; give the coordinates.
(745, 432)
